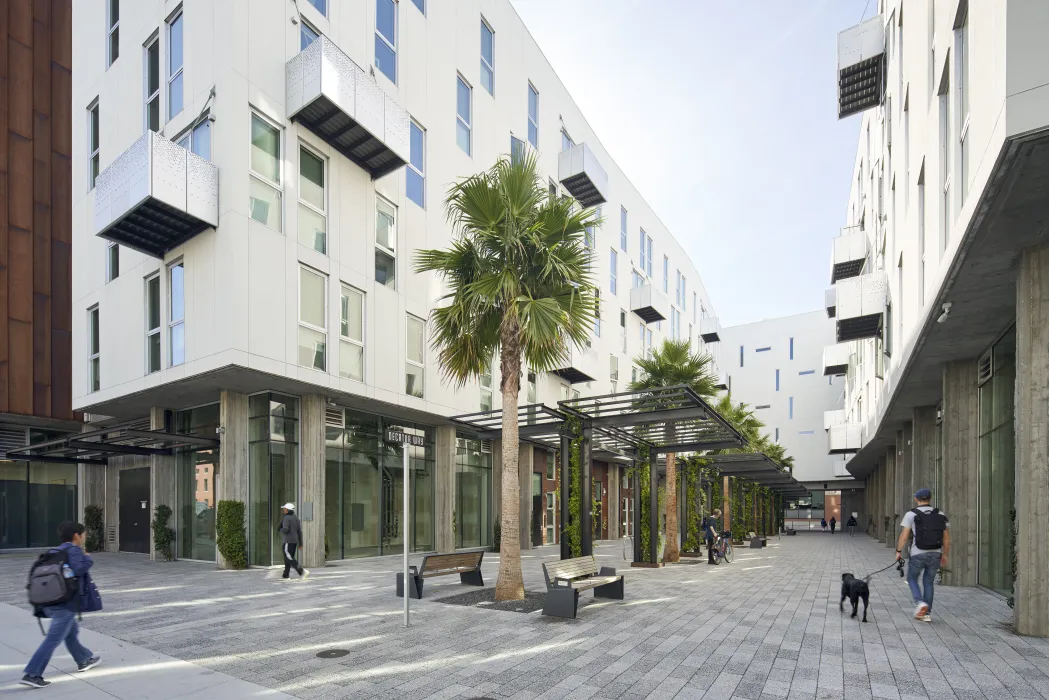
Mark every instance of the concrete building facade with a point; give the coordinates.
(938, 283)
(263, 172)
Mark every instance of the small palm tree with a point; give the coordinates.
(674, 364)
(518, 281)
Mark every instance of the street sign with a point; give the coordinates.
(399, 436)
(405, 438)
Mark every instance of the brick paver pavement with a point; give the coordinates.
(765, 626)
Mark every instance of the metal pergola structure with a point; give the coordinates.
(662, 420)
(96, 447)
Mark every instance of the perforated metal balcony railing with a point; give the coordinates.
(830, 299)
(581, 174)
(649, 303)
(580, 366)
(861, 306)
(844, 438)
(710, 329)
(861, 66)
(836, 359)
(849, 254)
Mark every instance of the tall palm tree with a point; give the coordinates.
(518, 280)
(674, 364)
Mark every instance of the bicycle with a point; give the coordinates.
(723, 548)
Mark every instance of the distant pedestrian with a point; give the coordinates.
(291, 537)
(833, 524)
(851, 524)
(932, 542)
(823, 524)
(65, 570)
(710, 534)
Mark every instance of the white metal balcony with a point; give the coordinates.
(649, 303)
(849, 254)
(832, 418)
(710, 329)
(722, 382)
(836, 359)
(844, 438)
(581, 365)
(337, 100)
(861, 66)
(581, 174)
(155, 196)
(861, 306)
(830, 298)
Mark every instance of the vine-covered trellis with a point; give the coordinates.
(572, 528)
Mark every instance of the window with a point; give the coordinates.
(386, 38)
(264, 203)
(177, 313)
(740, 355)
(695, 309)
(777, 434)
(517, 149)
(649, 270)
(613, 263)
(93, 355)
(622, 327)
(552, 188)
(175, 61)
(313, 315)
(92, 144)
(790, 407)
(622, 227)
(962, 85)
(566, 141)
(205, 484)
(533, 389)
(198, 139)
(415, 175)
(945, 169)
(597, 312)
(153, 324)
(900, 305)
(777, 380)
(677, 287)
(666, 275)
(613, 368)
(588, 232)
(421, 4)
(414, 365)
(764, 349)
(152, 84)
(321, 5)
(385, 243)
(921, 235)
(487, 57)
(112, 31)
(806, 372)
(792, 348)
(112, 261)
(648, 342)
(636, 280)
(641, 245)
(307, 35)
(673, 323)
(684, 293)
(351, 334)
(312, 217)
(486, 388)
(533, 116)
(463, 111)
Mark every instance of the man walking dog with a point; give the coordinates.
(291, 537)
(932, 542)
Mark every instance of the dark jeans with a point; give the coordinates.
(290, 562)
(832, 528)
(925, 565)
(63, 629)
(710, 550)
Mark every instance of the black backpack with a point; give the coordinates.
(51, 580)
(928, 528)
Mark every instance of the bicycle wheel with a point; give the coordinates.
(728, 552)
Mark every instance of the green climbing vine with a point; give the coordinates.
(644, 476)
(573, 529)
(695, 473)
(1012, 557)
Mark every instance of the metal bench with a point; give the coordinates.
(566, 578)
(466, 564)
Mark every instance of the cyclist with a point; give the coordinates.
(710, 532)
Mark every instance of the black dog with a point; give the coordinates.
(854, 588)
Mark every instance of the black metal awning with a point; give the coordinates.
(537, 423)
(759, 468)
(98, 446)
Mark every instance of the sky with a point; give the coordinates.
(724, 116)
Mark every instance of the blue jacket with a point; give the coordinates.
(80, 562)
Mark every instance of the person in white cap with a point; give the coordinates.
(291, 536)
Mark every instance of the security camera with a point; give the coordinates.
(946, 310)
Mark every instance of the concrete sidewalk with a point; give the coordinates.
(127, 671)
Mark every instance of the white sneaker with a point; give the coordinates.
(927, 618)
(921, 611)
(305, 574)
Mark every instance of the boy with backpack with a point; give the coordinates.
(932, 542)
(58, 582)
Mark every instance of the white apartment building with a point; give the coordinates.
(250, 182)
(939, 282)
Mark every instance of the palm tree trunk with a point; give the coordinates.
(671, 553)
(510, 584)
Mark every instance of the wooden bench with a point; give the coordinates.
(566, 578)
(466, 564)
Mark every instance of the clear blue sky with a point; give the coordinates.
(724, 116)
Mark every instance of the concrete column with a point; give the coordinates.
(614, 500)
(961, 423)
(1031, 590)
(232, 481)
(91, 484)
(889, 499)
(524, 475)
(312, 441)
(444, 490)
(904, 473)
(923, 450)
(162, 476)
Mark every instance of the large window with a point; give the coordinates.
(321, 5)
(112, 31)
(415, 174)
(313, 218)
(273, 472)
(487, 57)
(177, 313)
(198, 139)
(195, 476)
(473, 489)
(463, 115)
(351, 334)
(35, 497)
(152, 84)
(641, 244)
(622, 227)
(153, 324)
(921, 235)
(94, 382)
(613, 264)
(112, 261)
(385, 243)
(567, 143)
(962, 88)
(486, 388)
(533, 116)
(264, 204)
(997, 466)
(415, 357)
(175, 63)
(92, 144)
(666, 275)
(313, 315)
(386, 38)
(649, 270)
(945, 170)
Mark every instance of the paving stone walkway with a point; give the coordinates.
(765, 626)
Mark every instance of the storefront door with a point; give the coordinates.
(134, 510)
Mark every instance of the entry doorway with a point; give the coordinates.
(134, 510)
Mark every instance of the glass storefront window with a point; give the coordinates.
(195, 479)
(14, 505)
(997, 468)
(273, 471)
(473, 499)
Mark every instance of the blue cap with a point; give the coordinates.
(923, 494)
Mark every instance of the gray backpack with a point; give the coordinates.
(51, 580)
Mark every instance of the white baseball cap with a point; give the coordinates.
(288, 506)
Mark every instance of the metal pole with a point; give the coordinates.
(404, 533)
(587, 534)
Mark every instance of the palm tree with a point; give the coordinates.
(674, 364)
(518, 279)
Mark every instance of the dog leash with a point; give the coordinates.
(899, 567)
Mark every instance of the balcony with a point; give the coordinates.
(836, 359)
(843, 438)
(710, 329)
(580, 366)
(722, 382)
(581, 174)
(830, 299)
(861, 306)
(338, 101)
(833, 418)
(849, 254)
(861, 66)
(155, 196)
(649, 303)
